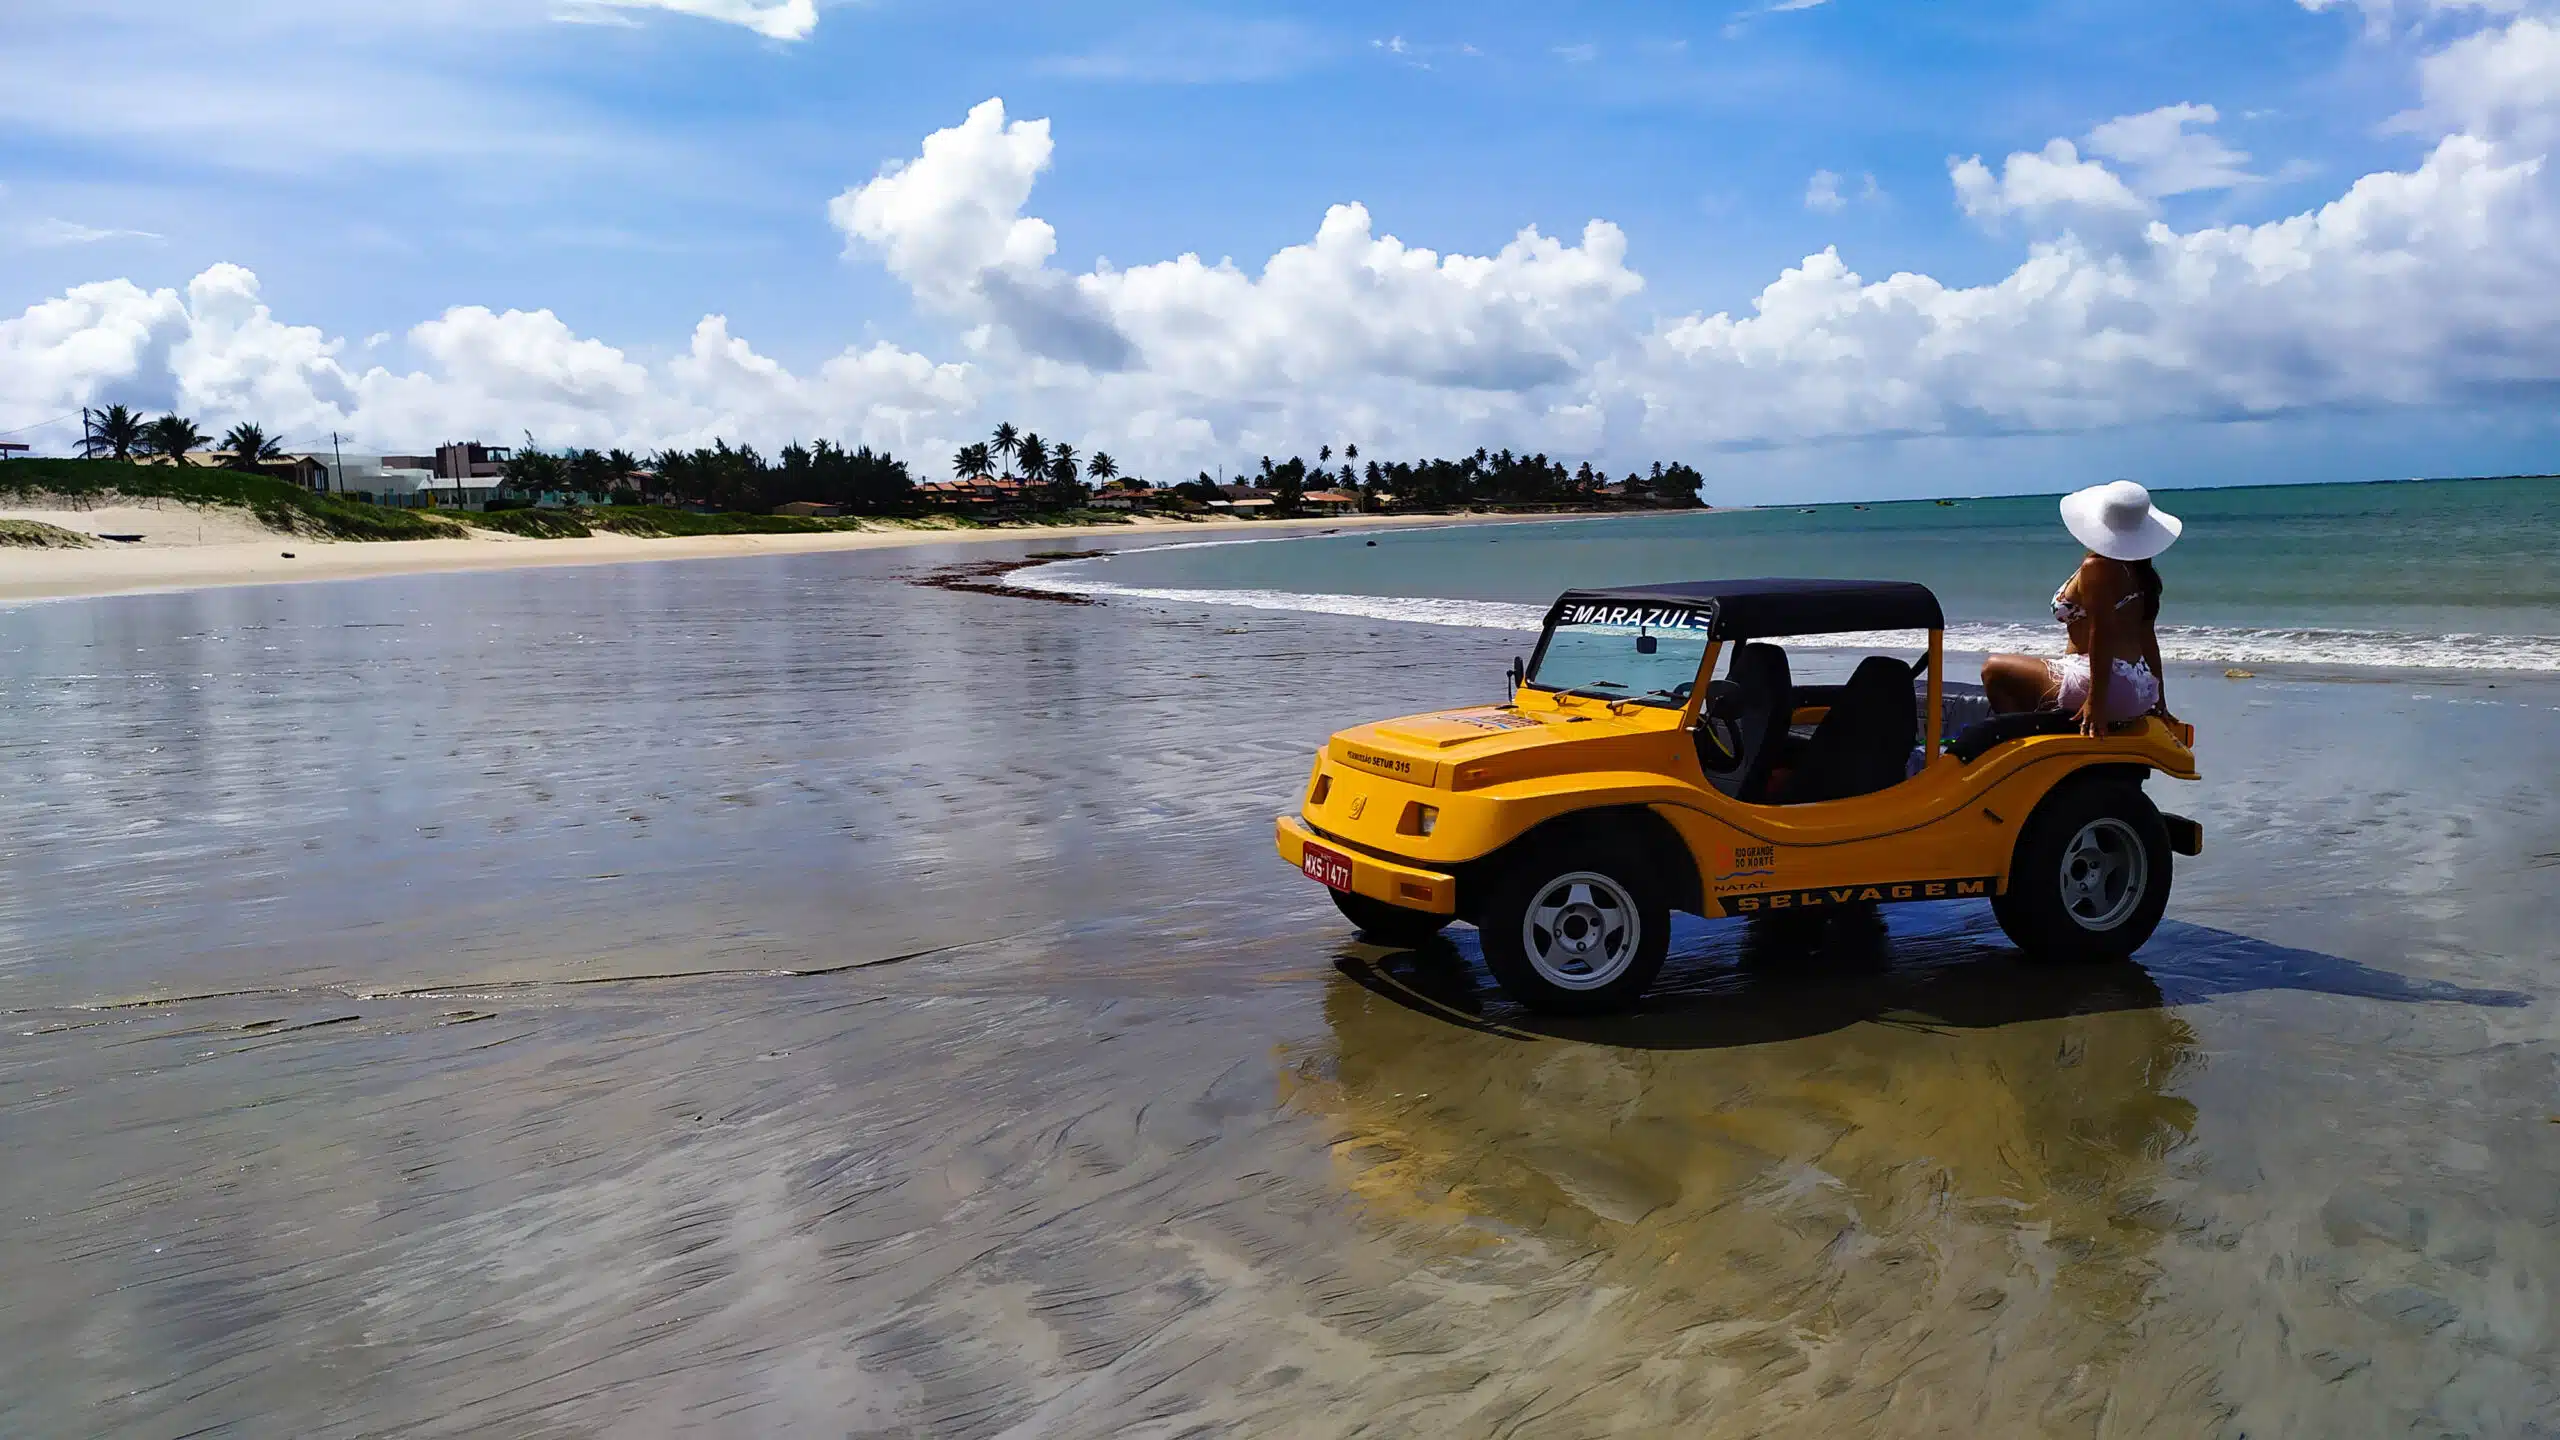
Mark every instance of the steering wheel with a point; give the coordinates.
(1720, 724)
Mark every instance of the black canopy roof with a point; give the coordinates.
(1759, 609)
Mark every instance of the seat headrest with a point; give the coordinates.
(1762, 663)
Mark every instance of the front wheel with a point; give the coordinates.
(2090, 877)
(1387, 924)
(1578, 925)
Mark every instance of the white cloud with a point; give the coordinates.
(950, 224)
(50, 232)
(946, 218)
(2504, 84)
(2435, 285)
(1419, 55)
(2384, 15)
(2413, 288)
(1196, 50)
(773, 19)
(1822, 192)
(439, 83)
(2167, 158)
(2052, 183)
(218, 354)
(2058, 185)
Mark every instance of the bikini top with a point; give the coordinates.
(2070, 612)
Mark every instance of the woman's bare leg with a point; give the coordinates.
(2017, 682)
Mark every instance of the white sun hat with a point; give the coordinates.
(2117, 520)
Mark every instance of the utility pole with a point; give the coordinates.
(342, 462)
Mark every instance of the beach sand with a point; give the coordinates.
(188, 547)
(784, 999)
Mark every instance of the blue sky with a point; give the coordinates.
(631, 169)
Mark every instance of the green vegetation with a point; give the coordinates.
(532, 524)
(36, 535)
(663, 520)
(1489, 479)
(278, 504)
(112, 432)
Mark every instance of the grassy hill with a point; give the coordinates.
(277, 504)
(36, 535)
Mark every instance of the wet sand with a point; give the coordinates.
(777, 998)
(186, 547)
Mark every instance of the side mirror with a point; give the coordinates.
(1519, 673)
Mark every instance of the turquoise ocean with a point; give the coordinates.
(2439, 574)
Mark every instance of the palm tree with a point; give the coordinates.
(1008, 444)
(970, 461)
(1102, 467)
(173, 436)
(112, 432)
(623, 464)
(249, 445)
(1034, 456)
(1062, 463)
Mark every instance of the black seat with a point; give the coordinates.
(1981, 735)
(1864, 744)
(1753, 703)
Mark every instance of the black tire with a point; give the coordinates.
(1387, 924)
(2086, 846)
(1602, 924)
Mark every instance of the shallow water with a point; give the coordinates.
(765, 997)
(2452, 574)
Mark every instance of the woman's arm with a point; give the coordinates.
(2159, 676)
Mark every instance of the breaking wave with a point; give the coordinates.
(2196, 644)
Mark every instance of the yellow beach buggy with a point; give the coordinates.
(1625, 780)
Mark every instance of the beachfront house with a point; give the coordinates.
(978, 492)
(397, 480)
(1245, 502)
(311, 472)
(1129, 494)
(1329, 502)
(809, 509)
(457, 476)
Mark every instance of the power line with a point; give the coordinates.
(56, 420)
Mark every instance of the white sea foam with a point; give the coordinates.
(2197, 644)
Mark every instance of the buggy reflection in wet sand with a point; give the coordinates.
(1625, 780)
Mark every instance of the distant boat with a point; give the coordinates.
(1950, 504)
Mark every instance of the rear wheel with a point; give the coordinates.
(1576, 925)
(1387, 924)
(2090, 877)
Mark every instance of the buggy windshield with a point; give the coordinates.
(1646, 654)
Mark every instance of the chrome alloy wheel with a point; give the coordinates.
(1582, 932)
(2104, 872)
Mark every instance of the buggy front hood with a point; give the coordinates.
(1461, 749)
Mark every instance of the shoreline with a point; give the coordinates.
(30, 576)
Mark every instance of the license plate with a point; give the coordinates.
(1327, 867)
